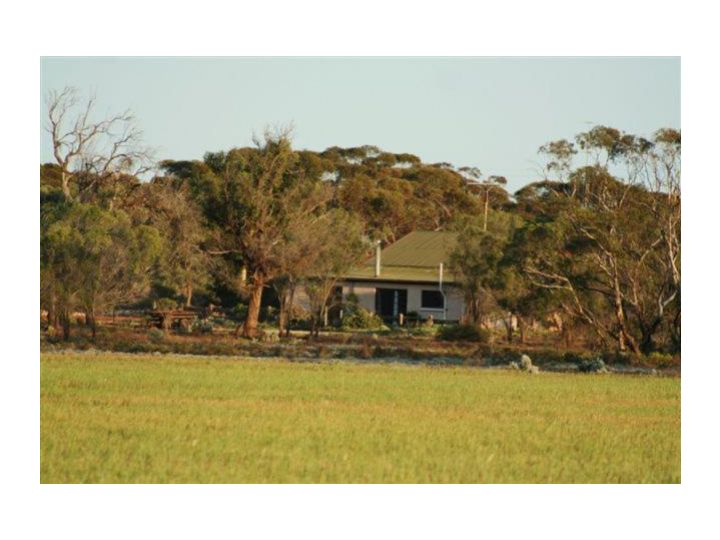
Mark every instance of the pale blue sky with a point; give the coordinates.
(492, 113)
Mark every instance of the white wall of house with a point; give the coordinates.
(365, 291)
(454, 304)
(301, 298)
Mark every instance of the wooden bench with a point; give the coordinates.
(166, 318)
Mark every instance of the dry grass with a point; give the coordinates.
(125, 418)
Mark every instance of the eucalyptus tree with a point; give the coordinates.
(477, 263)
(93, 153)
(94, 259)
(301, 247)
(186, 265)
(251, 198)
(395, 194)
(341, 246)
(607, 240)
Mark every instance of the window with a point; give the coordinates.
(432, 300)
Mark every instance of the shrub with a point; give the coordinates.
(548, 356)
(663, 360)
(423, 330)
(475, 361)
(166, 304)
(269, 314)
(52, 333)
(201, 327)
(298, 314)
(269, 335)
(222, 322)
(361, 319)
(463, 332)
(156, 335)
(365, 350)
(184, 328)
(241, 311)
(594, 365)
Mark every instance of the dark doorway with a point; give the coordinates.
(335, 304)
(389, 303)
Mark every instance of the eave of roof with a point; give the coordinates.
(399, 273)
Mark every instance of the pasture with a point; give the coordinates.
(110, 418)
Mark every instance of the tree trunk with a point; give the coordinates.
(253, 313)
(508, 328)
(566, 334)
(90, 316)
(624, 338)
(487, 204)
(65, 178)
(313, 325)
(522, 327)
(65, 322)
(558, 321)
(289, 308)
(473, 309)
(188, 294)
(647, 331)
(282, 318)
(646, 342)
(285, 293)
(675, 332)
(52, 313)
(166, 322)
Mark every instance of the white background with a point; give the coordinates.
(29, 510)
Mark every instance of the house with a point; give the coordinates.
(410, 276)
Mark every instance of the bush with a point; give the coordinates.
(185, 327)
(463, 332)
(361, 319)
(423, 330)
(202, 327)
(166, 304)
(594, 365)
(240, 312)
(662, 360)
(298, 313)
(156, 335)
(365, 350)
(52, 333)
(269, 314)
(222, 322)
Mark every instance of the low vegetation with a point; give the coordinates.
(464, 332)
(131, 418)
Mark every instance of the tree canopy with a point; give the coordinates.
(595, 241)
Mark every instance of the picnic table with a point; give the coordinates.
(166, 318)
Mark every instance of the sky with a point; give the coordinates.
(490, 113)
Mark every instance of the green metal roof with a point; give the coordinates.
(415, 257)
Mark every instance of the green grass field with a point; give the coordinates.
(125, 418)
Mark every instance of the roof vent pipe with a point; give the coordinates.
(377, 258)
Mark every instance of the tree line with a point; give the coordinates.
(593, 244)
